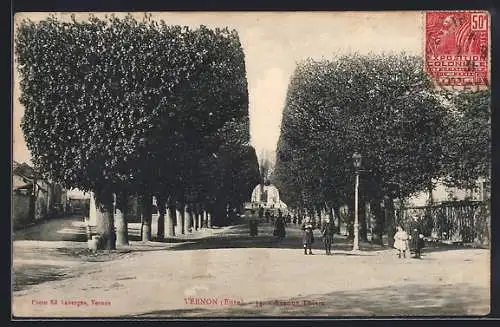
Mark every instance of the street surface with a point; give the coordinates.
(225, 272)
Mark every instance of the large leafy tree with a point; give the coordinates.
(110, 104)
(217, 90)
(91, 92)
(381, 106)
(467, 146)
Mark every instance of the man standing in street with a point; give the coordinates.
(327, 231)
(416, 238)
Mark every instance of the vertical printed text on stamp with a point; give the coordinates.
(457, 47)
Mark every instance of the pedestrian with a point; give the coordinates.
(253, 223)
(261, 213)
(308, 238)
(416, 238)
(327, 232)
(268, 216)
(279, 227)
(401, 241)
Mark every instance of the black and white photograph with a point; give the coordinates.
(251, 164)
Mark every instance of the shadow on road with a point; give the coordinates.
(28, 275)
(238, 237)
(56, 229)
(410, 300)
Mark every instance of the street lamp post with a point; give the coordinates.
(357, 164)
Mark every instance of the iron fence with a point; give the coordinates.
(463, 221)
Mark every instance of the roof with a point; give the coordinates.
(24, 187)
(23, 169)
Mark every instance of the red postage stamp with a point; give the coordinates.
(457, 47)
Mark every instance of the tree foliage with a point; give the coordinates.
(467, 150)
(381, 106)
(113, 104)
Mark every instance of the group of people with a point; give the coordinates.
(327, 232)
(403, 242)
(413, 242)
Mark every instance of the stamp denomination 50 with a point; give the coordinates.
(457, 47)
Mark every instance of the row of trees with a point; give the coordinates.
(385, 108)
(125, 106)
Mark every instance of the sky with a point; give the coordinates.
(273, 44)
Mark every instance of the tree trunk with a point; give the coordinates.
(187, 219)
(430, 189)
(200, 218)
(121, 219)
(363, 232)
(335, 212)
(179, 214)
(161, 218)
(219, 214)
(332, 215)
(147, 216)
(209, 220)
(389, 218)
(350, 223)
(318, 212)
(170, 212)
(194, 214)
(378, 223)
(34, 193)
(174, 217)
(105, 220)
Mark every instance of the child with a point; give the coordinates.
(308, 239)
(401, 241)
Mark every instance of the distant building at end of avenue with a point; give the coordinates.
(266, 196)
(35, 198)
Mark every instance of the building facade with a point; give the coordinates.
(266, 196)
(34, 198)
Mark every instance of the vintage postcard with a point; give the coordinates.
(251, 164)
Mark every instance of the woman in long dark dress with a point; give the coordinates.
(279, 227)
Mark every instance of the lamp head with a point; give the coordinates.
(356, 157)
(143, 141)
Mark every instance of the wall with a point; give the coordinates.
(443, 193)
(20, 210)
(41, 205)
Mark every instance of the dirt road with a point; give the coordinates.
(227, 273)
